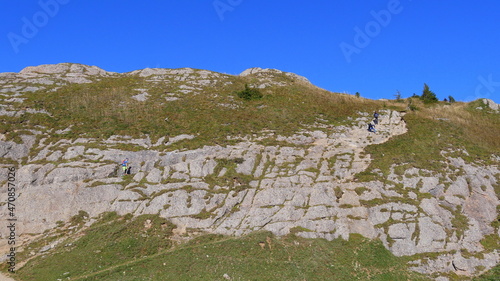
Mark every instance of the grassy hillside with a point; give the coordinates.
(214, 112)
(125, 248)
(432, 129)
(492, 275)
(105, 108)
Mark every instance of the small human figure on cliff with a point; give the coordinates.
(371, 128)
(375, 117)
(125, 166)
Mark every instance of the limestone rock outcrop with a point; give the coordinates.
(305, 182)
(246, 187)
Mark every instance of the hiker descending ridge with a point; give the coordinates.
(371, 125)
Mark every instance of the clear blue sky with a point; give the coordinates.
(371, 47)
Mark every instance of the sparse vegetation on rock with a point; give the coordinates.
(249, 93)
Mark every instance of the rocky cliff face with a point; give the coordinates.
(304, 182)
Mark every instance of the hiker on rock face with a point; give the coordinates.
(124, 166)
(375, 118)
(371, 127)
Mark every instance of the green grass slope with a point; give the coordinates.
(459, 130)
(213, 113)
(492, 275)
(125, 248)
